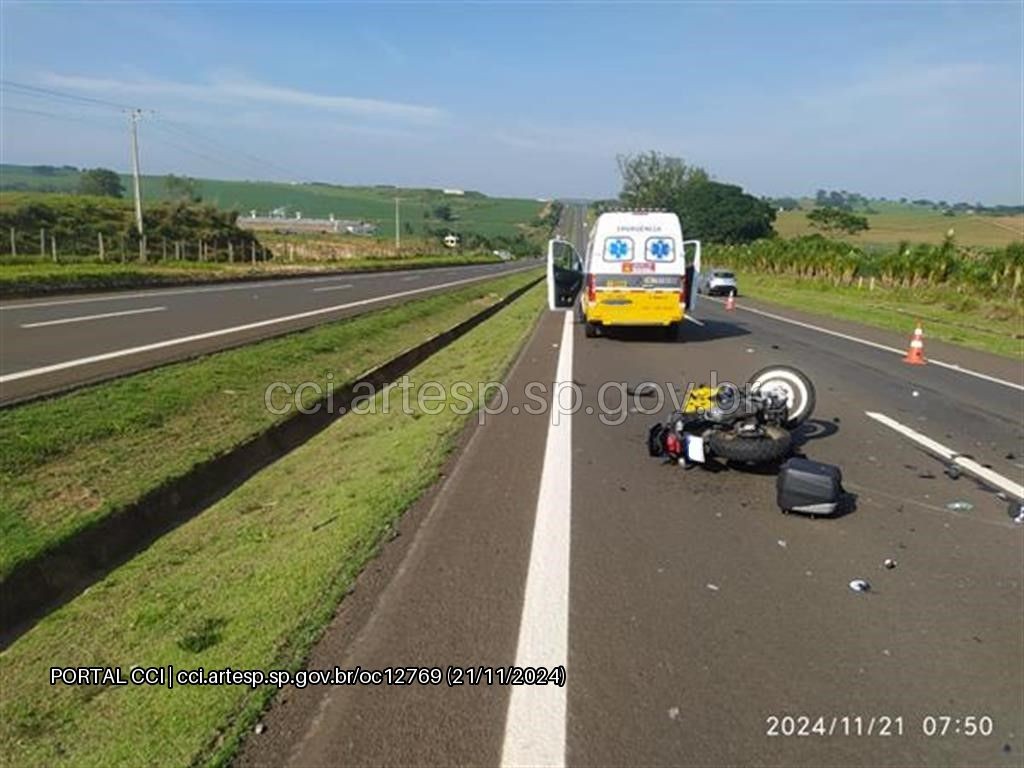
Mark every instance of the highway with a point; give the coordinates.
(53, 343)
(692, 616)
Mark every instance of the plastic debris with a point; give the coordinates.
(673, 713)
(860, 585)
(959, 506)
(781, 543)
(259, 729)
(713, 587)
(750, 350)
(1016, 511)
(953, 471)
(915, 393)
(889, 563)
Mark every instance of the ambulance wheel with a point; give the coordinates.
(773, 445)
(591, 330)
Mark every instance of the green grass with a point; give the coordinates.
(985, 324)
(68, 461)
(247, 584)
(21, 279)
(474, 212)
(905, 223)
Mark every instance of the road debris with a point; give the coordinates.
(860, 585)
(889, 563)
(959, 506)
(953, 471)
(673, 713)
(259, 729)
(1016, 511)
(713, 587)
(750, 350)
(781, 543)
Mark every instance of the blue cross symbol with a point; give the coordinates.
(618, 248)
(660, 249)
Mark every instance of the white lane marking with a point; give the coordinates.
(535, 723)
(332, 288)
(84, 318)
(244, 286)
(694, 320)
(848, 337)
(948, 454)
(29, 373)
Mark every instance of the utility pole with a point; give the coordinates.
(398, 230)
(133, 118)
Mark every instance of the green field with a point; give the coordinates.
(989, 324)
(247, 584)
(472, 212)
(895, 224)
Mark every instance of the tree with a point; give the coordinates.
(182, 188)
(654, 180)
(724, 213)
(836, 220)
(100, 181)
(443, 212)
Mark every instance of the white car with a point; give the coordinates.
(719, 282)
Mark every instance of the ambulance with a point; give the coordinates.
(637, 271)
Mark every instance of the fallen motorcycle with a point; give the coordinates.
(752, 425)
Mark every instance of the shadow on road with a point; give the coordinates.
(688, 333)
(813, 429)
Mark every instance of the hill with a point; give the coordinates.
(423, 211)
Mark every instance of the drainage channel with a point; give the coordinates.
(39, 586)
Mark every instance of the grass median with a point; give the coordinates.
(989, 325)
(248, 584)
(68, 461)
(36, 278)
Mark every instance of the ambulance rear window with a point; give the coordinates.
(618, 249)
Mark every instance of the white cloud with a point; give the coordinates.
(248, 92)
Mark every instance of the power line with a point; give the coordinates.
(32, 89)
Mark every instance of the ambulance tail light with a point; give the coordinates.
(591, 288)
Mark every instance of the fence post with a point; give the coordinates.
(871, 284)
(42, 242)
(53, 248)
(253, 251)
(99, 236)
(231, 252)
(123, 257)
(14, 243)
(163, 249)
(291, 252)
(142, 250)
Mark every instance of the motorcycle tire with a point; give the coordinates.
(773, 445)
(798, 389)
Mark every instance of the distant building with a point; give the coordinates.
(459, 192)
(451, 240)
(278, 222)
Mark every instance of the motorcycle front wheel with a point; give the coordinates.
(794, 386)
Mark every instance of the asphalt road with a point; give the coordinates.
(687, 609)
(62, 341)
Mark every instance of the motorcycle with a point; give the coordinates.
(752, 425)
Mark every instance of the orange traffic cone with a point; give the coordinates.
(730, 301)
(915, 354)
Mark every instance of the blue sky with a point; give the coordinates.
(532, 99)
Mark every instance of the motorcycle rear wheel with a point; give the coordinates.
(773, 445)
